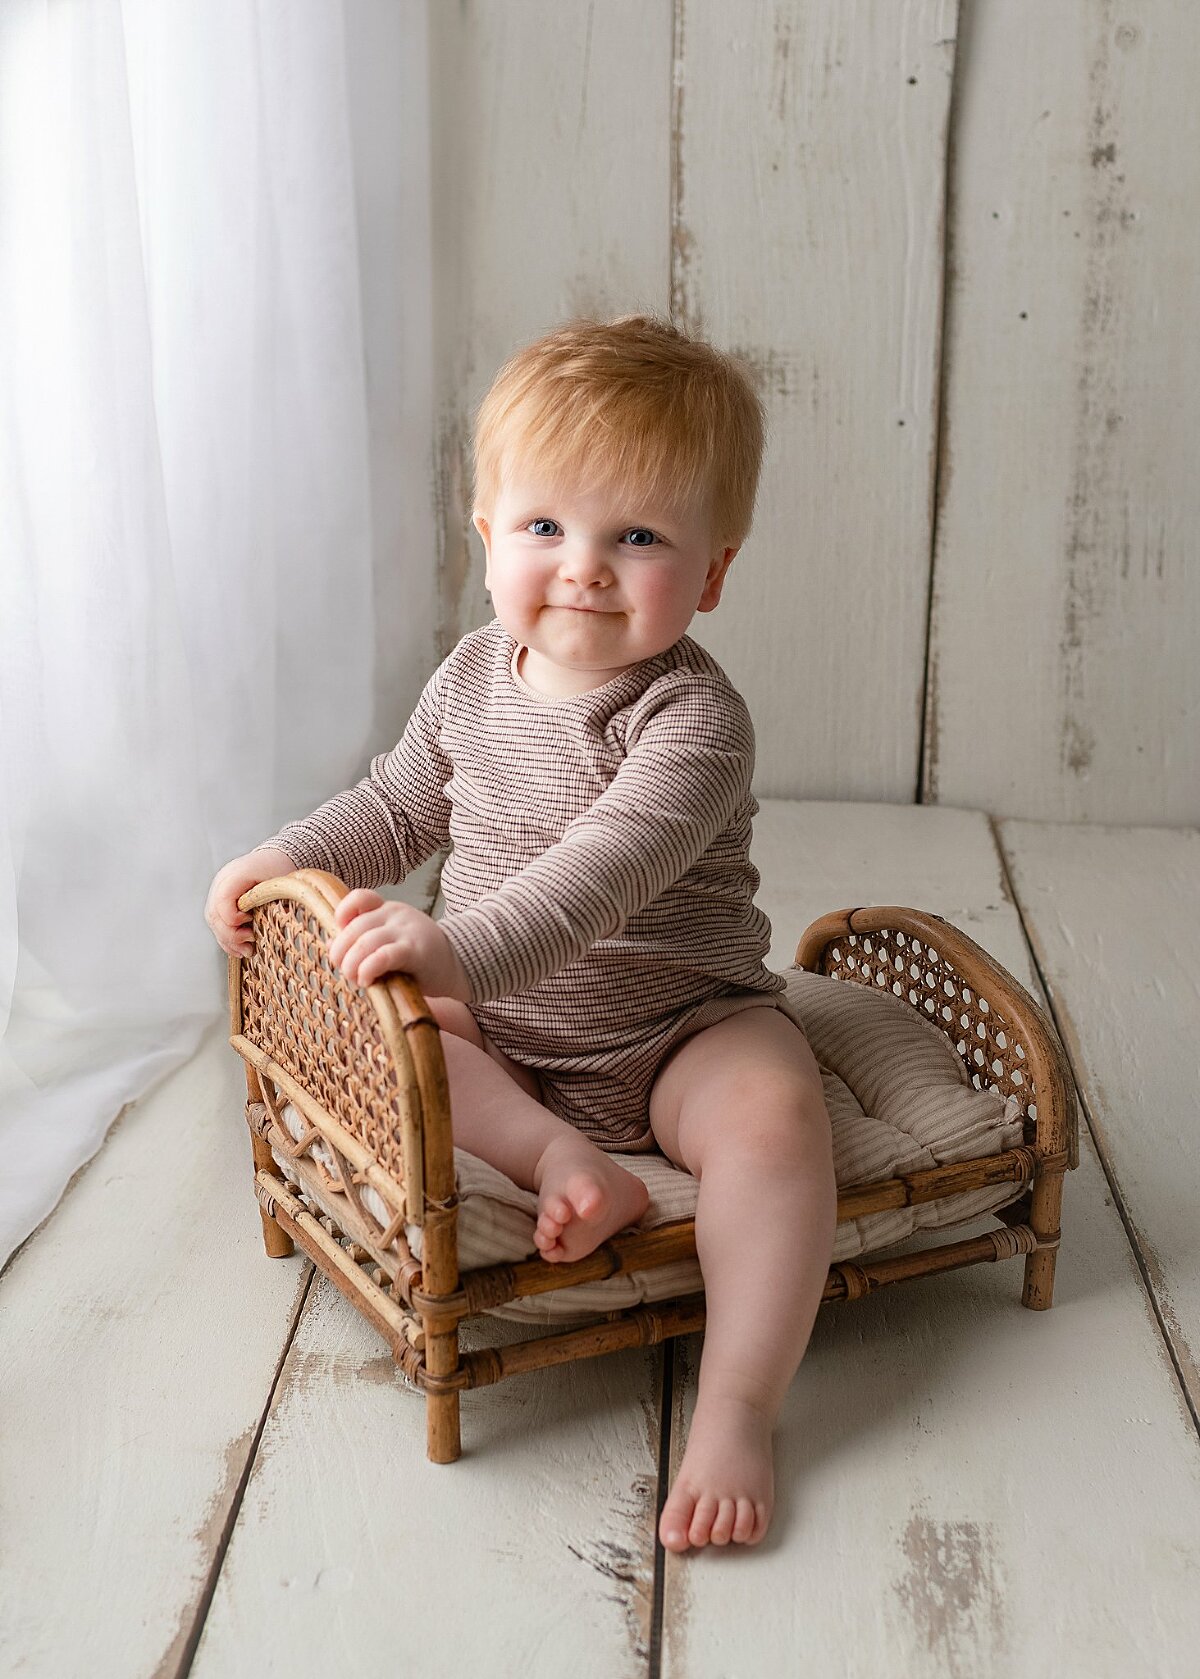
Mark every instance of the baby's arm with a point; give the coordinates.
(379, 830)
(376, 832)
(688, 768)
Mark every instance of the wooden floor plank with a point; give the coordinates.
(1113, 915)
(820, 856)
(137, 1366)
(532, 1553)
(963, 1486)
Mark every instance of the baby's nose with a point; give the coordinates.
(586, 562)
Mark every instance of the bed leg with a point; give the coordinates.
(1045, 1215)
(443, 1441)
(278, 1243)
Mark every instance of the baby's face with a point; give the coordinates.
(591, 584)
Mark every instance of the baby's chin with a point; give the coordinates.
(605, 627)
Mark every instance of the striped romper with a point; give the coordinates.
(599, 891)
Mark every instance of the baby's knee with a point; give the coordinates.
(781, 1117)
(792, 1133)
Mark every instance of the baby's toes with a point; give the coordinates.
(743, 1528)
(547, 1235)
(554, 1212)
(548, 1232)
(722, 1528)
(587, 1198)
(702, 1519)
(676, 1519)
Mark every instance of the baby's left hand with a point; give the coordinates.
(380, 937)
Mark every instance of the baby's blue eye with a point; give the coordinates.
(536, 522)
(640, 530)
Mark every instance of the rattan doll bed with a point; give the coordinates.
(362, 1070)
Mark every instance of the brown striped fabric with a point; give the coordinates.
(599, 891)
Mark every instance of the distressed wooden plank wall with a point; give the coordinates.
(551, 168)
(807, 235)
(954, 254)
(388, 99)
(1064, 678)
(694, 159)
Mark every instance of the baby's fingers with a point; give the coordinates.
(385, 960)
(241, 937)
(355, 903)
(235, 941)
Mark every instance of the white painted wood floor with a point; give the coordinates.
(209, 1467)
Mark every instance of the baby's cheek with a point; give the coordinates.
(667, 600)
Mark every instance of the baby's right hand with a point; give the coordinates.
(231, 925)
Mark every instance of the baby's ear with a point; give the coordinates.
(715, 581)
(485, 531)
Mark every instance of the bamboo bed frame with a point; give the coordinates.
(364, 1069)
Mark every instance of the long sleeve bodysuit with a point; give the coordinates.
(599, 891)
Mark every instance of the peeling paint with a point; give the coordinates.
(207, 1539)
(313, 1369)
(685, 312)
(782, 95)
(678, 1602)
(928, 792)
(940, 469)
(1175, 1347)
(953, 1593)
(451, 521)
(386, 1373)
(379, 1372)
(778, 373)
(1090, 540)
(629, 1569)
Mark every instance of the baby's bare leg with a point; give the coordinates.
(584, 1196)
(740, 1106)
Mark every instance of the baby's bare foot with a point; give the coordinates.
(583, 1198)
(725, 1488)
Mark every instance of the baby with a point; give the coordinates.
(598, 973)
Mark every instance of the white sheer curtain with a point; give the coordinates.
(198, 495)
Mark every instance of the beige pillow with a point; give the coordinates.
(899, 1100)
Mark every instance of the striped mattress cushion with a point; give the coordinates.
(899, 1099)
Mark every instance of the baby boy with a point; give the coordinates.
(598, 973)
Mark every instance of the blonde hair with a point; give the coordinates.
(630, 401)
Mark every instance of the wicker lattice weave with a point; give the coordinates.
(322, 1030)
(995, 1058)
(996, 1027)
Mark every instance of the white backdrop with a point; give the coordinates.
(204, 387)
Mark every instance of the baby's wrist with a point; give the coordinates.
(283, 863)
(459, 985)
(455, 978)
